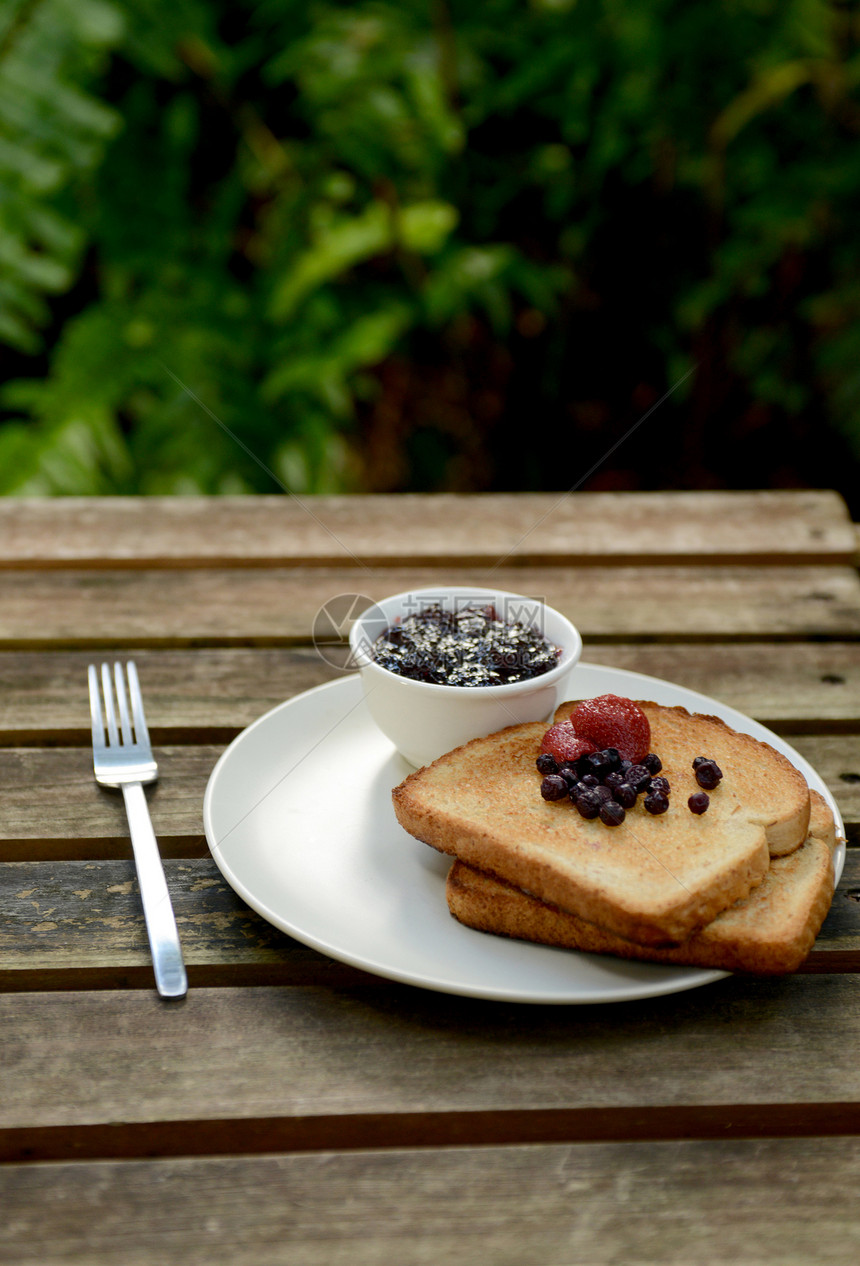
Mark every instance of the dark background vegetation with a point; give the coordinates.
(414, 245)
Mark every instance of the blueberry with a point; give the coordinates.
(656, 802)
(611, 758)
(588, 804)
(661, 784)
(708, 775)
(699, 802)
(590, 780)
(554, 787)
(583, 765)
(614, 779)
(611, 813)
(638, 777)
(625, 795)
(625, 766)
(699, 760)
(652, 763)
(546, 764)
(603, 793)
(594, 762)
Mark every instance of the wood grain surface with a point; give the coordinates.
(209, 694)
(77, 819)
(443, 529)
(282, 1068)
(728, 1203)
(61, 926)
(277, 606)
(237, 1053)
(296, 1109)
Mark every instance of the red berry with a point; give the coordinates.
(612, 721)
(563, 742)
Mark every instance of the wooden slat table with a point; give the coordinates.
(294, 1109)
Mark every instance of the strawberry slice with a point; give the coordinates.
(613, 721)
(563, 743)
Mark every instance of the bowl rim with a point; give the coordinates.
(571, 651)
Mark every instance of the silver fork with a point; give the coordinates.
(125, 761)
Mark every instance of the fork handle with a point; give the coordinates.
(170, 978)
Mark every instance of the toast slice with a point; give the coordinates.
(652, 880)
(775, 794)
(770, 931)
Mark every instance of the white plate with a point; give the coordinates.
(298, 816)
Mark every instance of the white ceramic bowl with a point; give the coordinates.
(424, 720)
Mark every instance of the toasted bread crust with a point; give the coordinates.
(770, 931)
(653, 880)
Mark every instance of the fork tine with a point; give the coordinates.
(98, 725)
(110, 712)
(125, 724)
(140, 730)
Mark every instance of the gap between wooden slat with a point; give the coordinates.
(98, 848)
(294, 974)
(366, 1131)
(123, 645)
(380, 563)
(222, 735)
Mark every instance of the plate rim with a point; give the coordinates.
(682, 978)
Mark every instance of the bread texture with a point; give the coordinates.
(770, 931)
(775, 794)
(652, 880)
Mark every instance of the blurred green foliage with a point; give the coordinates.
(377, 242)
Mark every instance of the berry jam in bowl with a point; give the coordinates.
(443, 665)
